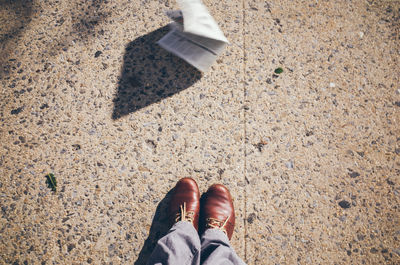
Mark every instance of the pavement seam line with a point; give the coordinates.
(244, 129)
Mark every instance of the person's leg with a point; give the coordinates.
(217, 224)
(216, 249)
(182, 243)
(180, 246)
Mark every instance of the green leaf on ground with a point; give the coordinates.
(278, 70)
(51, 181)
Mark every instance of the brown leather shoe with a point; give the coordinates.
(217, 210)
(185, 202)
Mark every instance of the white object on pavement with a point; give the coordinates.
(198, 40)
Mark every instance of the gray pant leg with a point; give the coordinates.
(216, 249)
(181, 246)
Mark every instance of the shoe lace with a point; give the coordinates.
(184, 215)
(217, 224)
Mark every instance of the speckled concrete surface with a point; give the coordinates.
(311, 155)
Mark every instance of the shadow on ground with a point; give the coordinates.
(159, 228)
(80, 22)
(150, 74)
(15, 17)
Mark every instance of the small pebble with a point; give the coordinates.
(16, 111)
(374, 250)
(251, 218)
(76, 146)
(354, 174)
(97, 54)
(70, 247)
(344, 204)
(44, 106)
(289, 164)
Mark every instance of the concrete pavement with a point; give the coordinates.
(311, 155)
